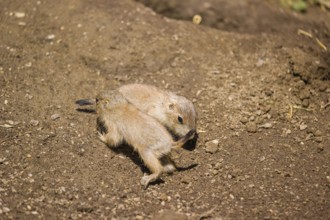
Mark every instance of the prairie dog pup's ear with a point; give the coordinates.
(171, 106)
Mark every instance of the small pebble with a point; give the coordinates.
(287, 131)
(34, 123)
(5, 209)
(22, 23)
(10, 122)
(320, 149)
(19, 14)
(266, 125)
(55, 116)
(50, 37)
(6, 126)
(259, 112)
(318, 133)
(251, 127)
(28, 96)
(260, 62)
(328, 179)
(244, 120)
(211, 146)
(302, 126)
(305, 94)
(305, 103)
(185, 180)
(81, 152)
(318, 139)
(198, 92)
(162, 196)
(269, 92)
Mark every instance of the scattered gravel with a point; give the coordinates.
(52, 164)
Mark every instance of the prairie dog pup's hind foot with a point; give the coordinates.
(146, 180)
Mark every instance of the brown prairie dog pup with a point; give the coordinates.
(119, 121)
(175, 112)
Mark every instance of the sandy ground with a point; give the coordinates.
(261, 89)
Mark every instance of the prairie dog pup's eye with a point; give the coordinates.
(180, 119)
(97, 100)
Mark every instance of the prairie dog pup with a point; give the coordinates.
(119, 121)
(175, 112)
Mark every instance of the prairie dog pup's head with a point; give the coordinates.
(109, 99)
(181, 114)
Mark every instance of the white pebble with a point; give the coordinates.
(19, 14)
(303, 126)
(50, 37)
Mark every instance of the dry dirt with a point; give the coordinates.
(261, 89)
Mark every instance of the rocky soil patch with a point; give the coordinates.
(257, 74)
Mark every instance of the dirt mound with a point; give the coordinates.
(259, 80)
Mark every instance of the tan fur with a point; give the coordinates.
(121, 122)
(165, 107)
